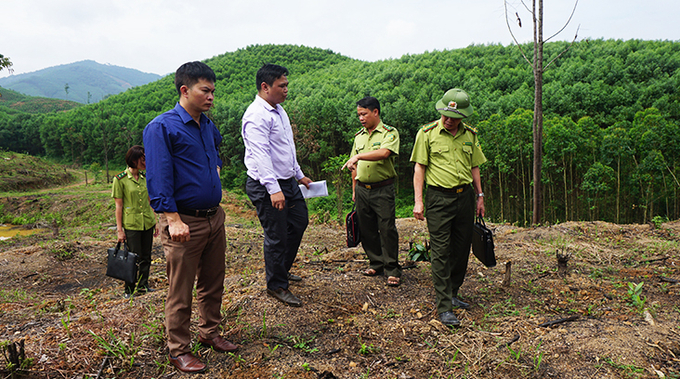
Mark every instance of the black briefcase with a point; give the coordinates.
(352, 224)
(482, 243)
(122, 264)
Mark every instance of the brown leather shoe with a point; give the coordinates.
(218, 343)
(285, 296)
(187, 362)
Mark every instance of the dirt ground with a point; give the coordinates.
(74, 322)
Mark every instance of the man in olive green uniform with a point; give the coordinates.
(372, 165)
(447, 156)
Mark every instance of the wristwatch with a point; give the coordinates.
(481, 194)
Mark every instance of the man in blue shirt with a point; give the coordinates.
(183, 165)
(273, 177)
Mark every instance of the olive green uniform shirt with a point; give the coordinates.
(137, 213)
(382, 137)
(449, 159)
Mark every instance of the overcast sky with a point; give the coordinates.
(157, 36)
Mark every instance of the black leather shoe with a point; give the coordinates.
(457, 303)
(285, 296)
(449, 319)
(143, 290)
(127, 296)
(294, 278)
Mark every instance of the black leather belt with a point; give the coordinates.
(198, 212)
(458, 189)
(376, 184)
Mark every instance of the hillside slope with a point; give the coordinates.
(84, 82)
(12, 102)
(581, 322)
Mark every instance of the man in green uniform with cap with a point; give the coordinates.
(372, 165)
(447, 156)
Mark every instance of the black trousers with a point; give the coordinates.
(283, 230)
(140, 243)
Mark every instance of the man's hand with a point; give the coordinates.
(351, 163)
(121, 235)
(480, 206)
(305, 181)
(419, 211)
(278, 200)
(179, 231)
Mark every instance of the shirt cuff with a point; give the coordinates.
(272, 187)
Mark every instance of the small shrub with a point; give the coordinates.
(419, 252)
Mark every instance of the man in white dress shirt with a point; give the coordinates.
(273, 177)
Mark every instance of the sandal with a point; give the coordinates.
(372, 272)
(393, 281)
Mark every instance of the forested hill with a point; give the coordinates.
(12, 102)
(612, 138)
(84, 82)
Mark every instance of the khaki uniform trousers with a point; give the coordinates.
(201, 258)
(379, 236)
(450, 218)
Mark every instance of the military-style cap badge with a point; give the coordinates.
(455, 103)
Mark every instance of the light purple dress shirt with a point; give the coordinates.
(270, 149)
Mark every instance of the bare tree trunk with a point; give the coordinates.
(538, 112)
(566, 189)
(618, 190)
(537, 66)
(500, 186)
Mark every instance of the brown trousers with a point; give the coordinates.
(200, 259)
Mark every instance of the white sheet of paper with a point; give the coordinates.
(316, 189)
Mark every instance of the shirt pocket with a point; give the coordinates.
(360, 148)
(440, 154)
(132, 219)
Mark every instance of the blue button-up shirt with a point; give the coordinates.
(270, 149)
(181, 161)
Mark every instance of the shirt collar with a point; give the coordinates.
(185, 116)
(129, 174)
(442, 129)
(378, 128)
(265, 104)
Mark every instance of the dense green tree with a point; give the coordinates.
(5, 63)
(611, 130)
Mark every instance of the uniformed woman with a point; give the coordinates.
(135, 220)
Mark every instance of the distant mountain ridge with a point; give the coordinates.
(84, 82)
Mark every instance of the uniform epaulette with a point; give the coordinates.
(388, 128)
(121, 175)
(430, 126)
(359, 132)
(470, 128)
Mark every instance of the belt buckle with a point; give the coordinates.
(368, 186)
(459, 190)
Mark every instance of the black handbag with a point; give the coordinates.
(352, 224)
(482, 243)
(122, 264)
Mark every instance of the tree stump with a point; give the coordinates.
(562, 260)
(508, 274)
